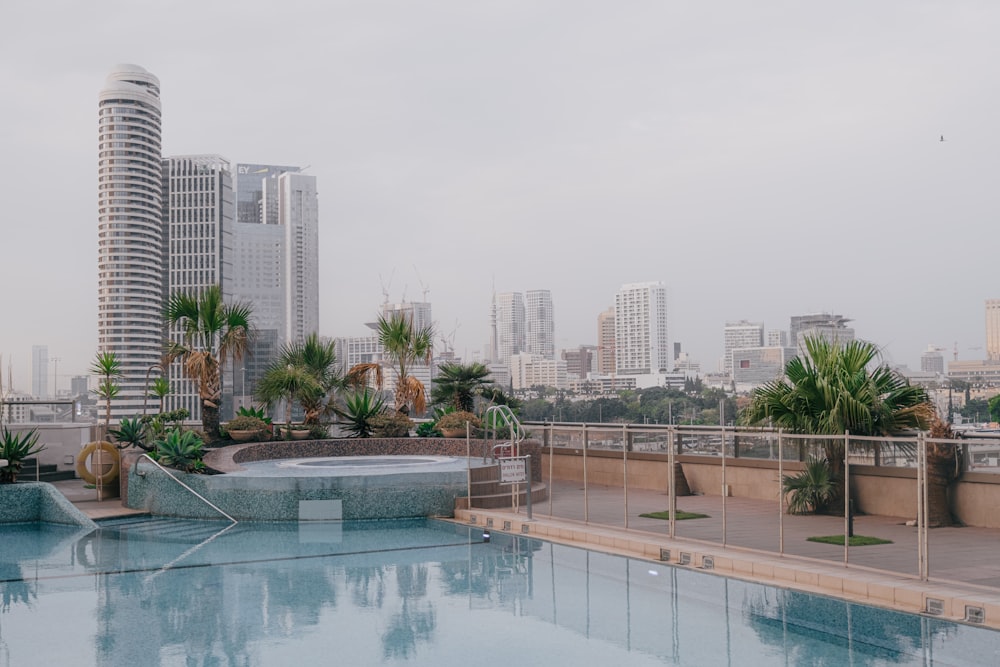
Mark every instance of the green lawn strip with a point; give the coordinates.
(856, 540)
(680, 515)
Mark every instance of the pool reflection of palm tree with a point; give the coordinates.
(416, 620)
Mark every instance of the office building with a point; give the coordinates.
(198, 219)
(130, 230)
(508, 317)
(993, 329)
(753, 366)
(832, 328)
(641, 345)
(539, 324)
(739, 335)
(532, 370)
(40, 371)
(606, 342)
(932, 361)
(580, 361)
(777, 338)
(275, 263)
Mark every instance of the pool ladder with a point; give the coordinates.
(501, 415)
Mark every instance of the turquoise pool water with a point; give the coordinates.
(415, 592)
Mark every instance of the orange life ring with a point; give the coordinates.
(84, 472)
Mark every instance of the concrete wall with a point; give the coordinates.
(63, 441)
(875, 490)
(38, 501)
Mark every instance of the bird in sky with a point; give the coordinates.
(942, 137)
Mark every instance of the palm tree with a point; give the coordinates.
(109, 369)
(160, 389)
(458, 384)
(286, 382)
(405, 345)
(832, 391)
(213, 332)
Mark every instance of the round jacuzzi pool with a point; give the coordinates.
(342, 466)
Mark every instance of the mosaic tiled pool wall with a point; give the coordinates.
(394, 495)
(38, 501)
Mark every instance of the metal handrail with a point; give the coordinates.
(198, 495)
(510, 420)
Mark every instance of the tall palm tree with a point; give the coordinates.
(212, 333)
(457, 384)
(832, 390)
(406, 345)
(108, 368)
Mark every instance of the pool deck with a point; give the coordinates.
(965, 562)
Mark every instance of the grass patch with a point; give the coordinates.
(90, 486)
(681, 516)
(856, 540)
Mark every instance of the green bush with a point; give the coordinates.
(391, 424)
(428, 430)
(131, 433)
(812, 489)
(246, 423)
(458, 420)
(182, 450)
(15, 447)
(359, 409)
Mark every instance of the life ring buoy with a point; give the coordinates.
(85, 473)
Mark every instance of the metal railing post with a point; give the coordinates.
(725, 488)
(625, 469)
(847, 497)
(671, 489)
(586, 490)
(551, 464)
(781, 494)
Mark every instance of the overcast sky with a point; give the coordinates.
(763, 159)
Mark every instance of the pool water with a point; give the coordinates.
(415, 592)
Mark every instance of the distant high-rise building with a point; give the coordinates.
(753, 366)
(40, 371)
(579, 362)
(130, 262)
(198, 218)
(832, 328)
(539, 324)
(740, 335)
(777, 338)
(275, 262)
(932, 361)
(509, 317)
(993, 329)
(78, 386)
(606, 342)
(641, 344)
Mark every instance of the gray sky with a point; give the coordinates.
(763, 159)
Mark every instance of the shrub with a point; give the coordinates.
(428, 430)
(15, 447)
(458, 420)
(812, 489)
(318, 432)
(182, 450)
(251, 411)
(359, 409)
(246, 423)
(131, 433)
(391, 424)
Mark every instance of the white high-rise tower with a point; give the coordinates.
(539, 324)
(641, 345)
(130, 264)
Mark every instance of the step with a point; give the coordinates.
(146, 526)
(539, 493)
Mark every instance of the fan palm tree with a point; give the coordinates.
(832, 391)
(406, 345)
(286, 382)
(212, 333)
(457, 385)
(285, 379)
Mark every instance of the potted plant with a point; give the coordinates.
(391, 424)
(299, 431)
(14, 448)
(452, 425)
(244, 428)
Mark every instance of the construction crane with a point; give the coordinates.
(386, 286)
(423, 286)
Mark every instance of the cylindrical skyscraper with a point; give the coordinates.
(130, 230)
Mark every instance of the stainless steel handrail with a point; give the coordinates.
(198, 495)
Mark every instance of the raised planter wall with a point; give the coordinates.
(38, 501)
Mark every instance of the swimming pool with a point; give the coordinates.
(180, 592)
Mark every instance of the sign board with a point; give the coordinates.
(514, 470)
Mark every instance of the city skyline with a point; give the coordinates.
(718, 160)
